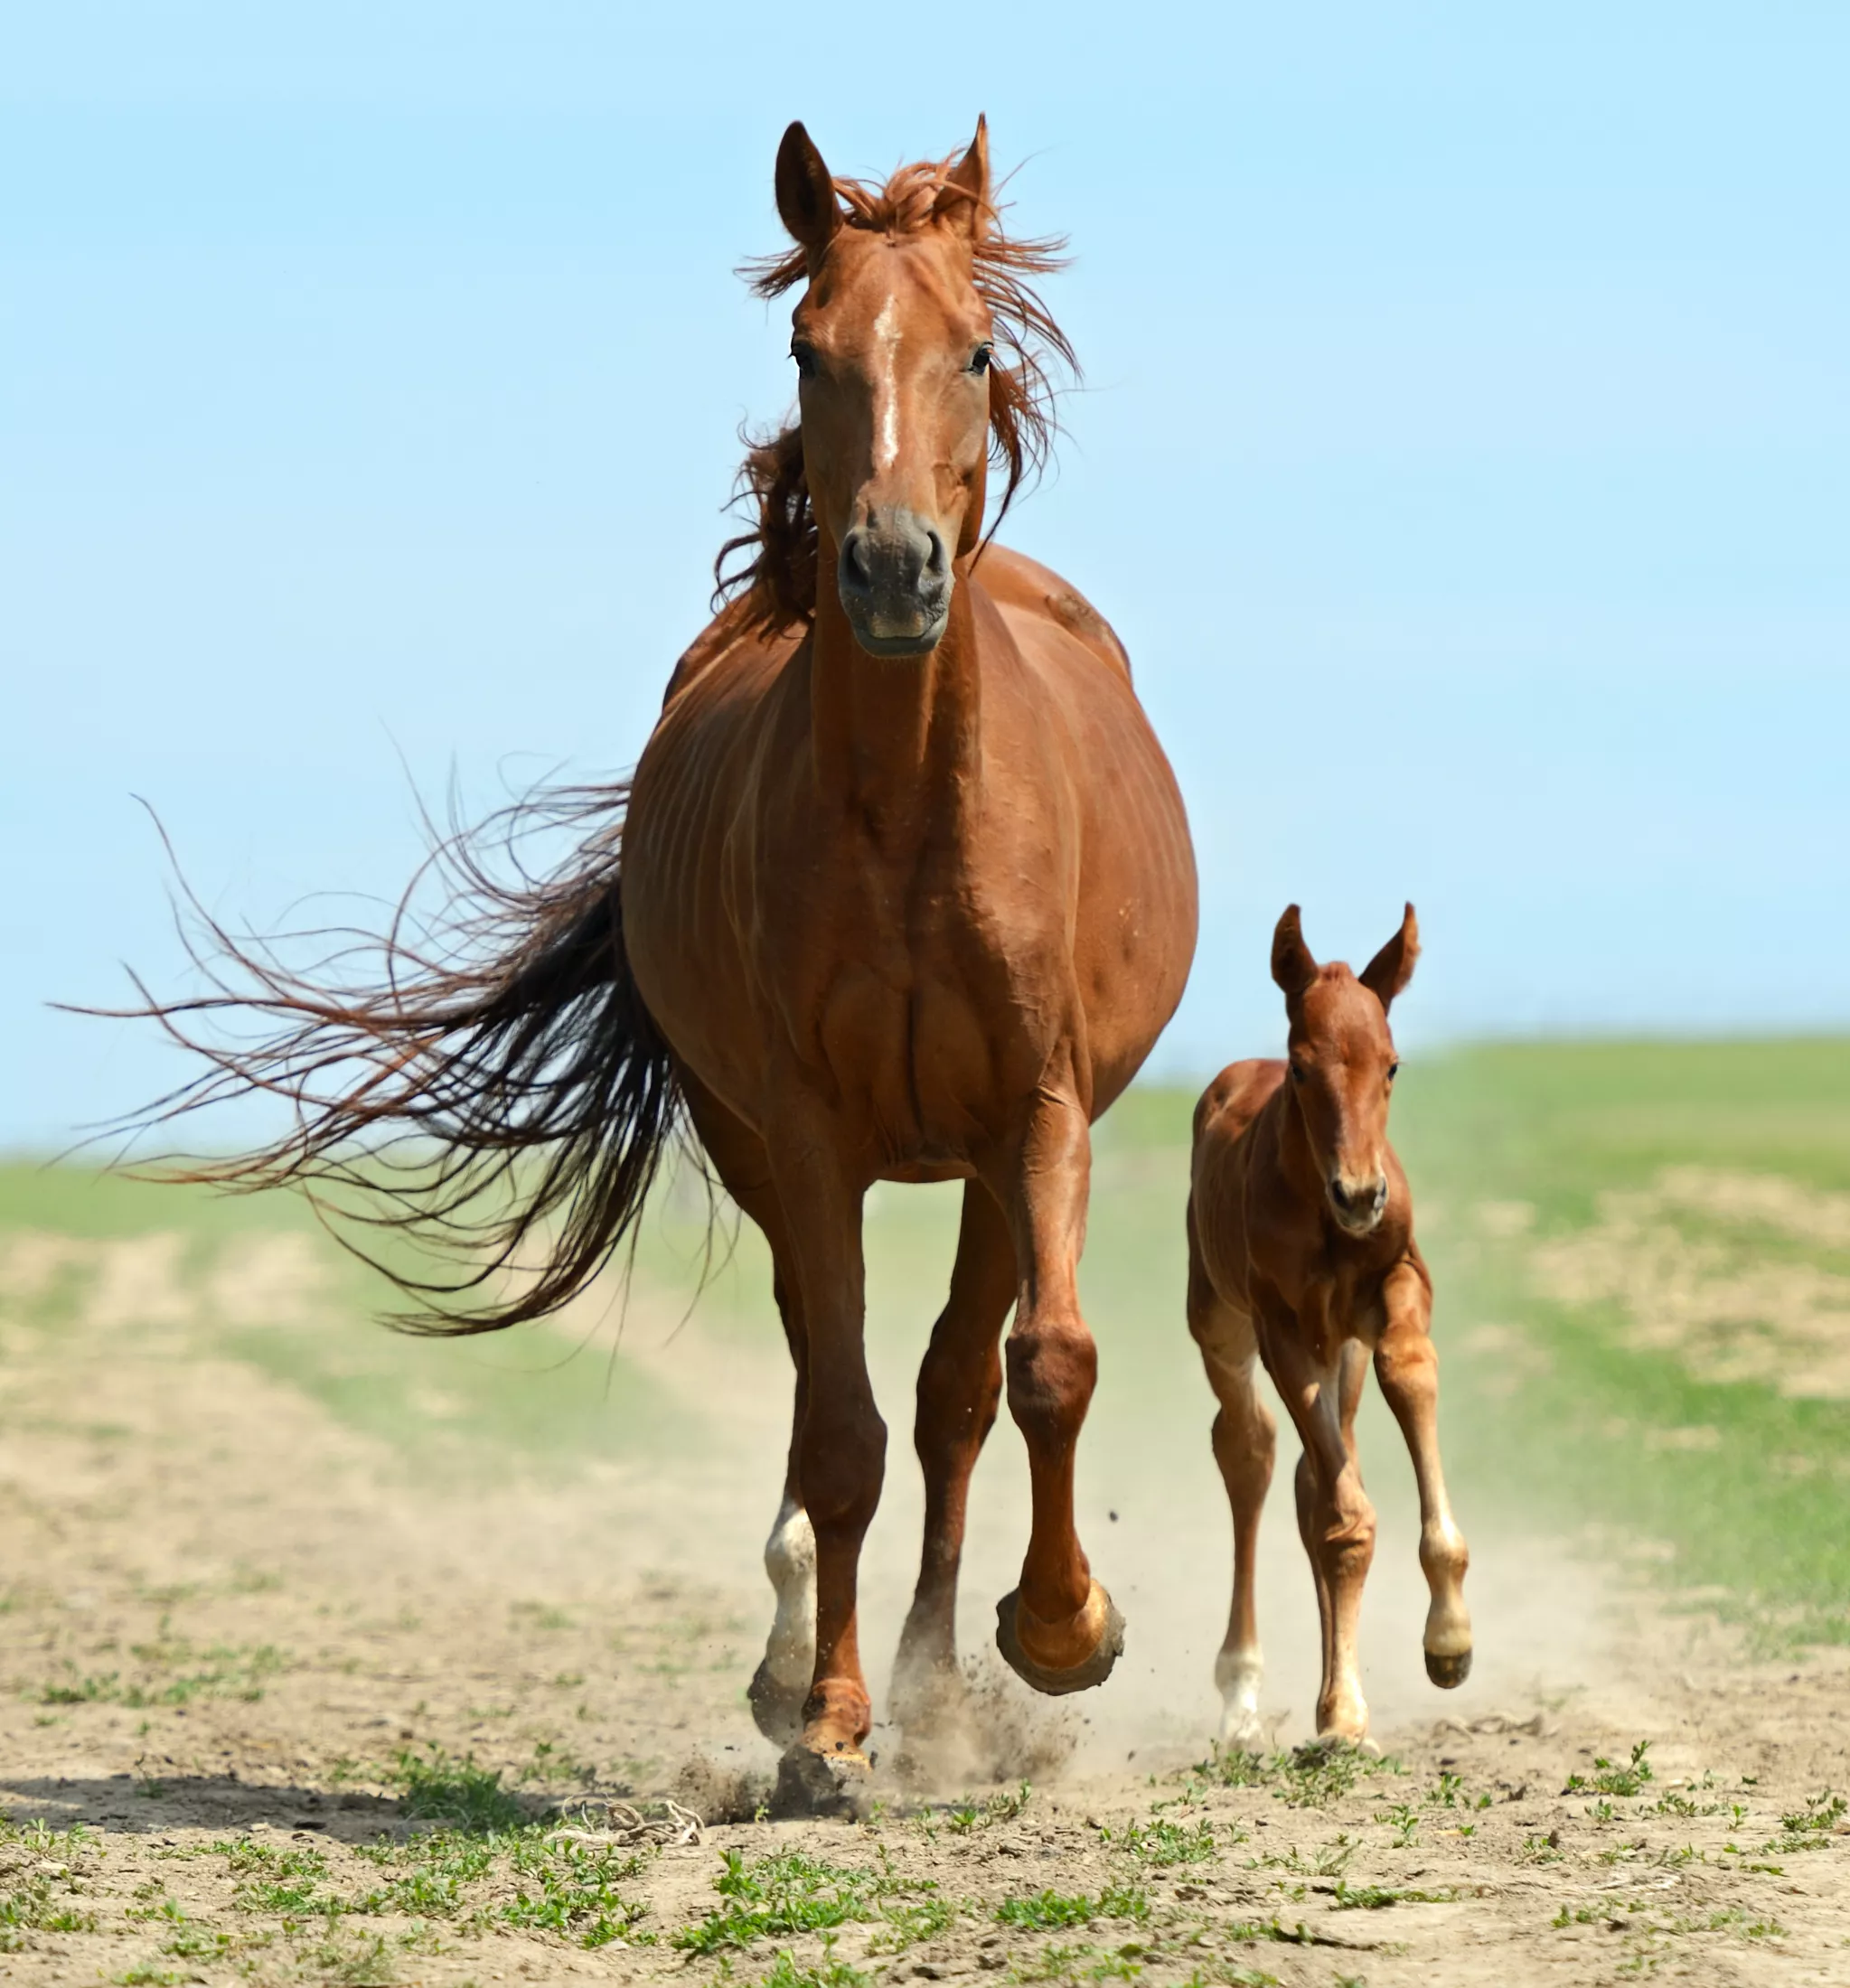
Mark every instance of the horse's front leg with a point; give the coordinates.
(780, 1684)
(1408, 1366)
(842, 1449)
(960, 1387)
(1058, 1629)
(1335, 1518)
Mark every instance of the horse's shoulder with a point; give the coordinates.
(1033, 597)
(1235, 1099)
(731, 646)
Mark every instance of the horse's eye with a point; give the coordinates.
(1393, 1071)
(1297, 1071)
(806, 357)
(980, 359)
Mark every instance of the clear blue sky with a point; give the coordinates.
(1465, 458)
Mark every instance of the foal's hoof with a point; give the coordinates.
(812, 1784)
(776, 1707)
(1099, 1614)
(1448, 1671)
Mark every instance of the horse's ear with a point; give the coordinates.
(1393, 967)
(964, 200)
(1291, 965)
(806, 202)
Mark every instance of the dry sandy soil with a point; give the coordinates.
(231, 1621)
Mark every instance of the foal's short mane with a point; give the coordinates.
(774, 586)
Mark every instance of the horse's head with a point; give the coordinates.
(1342, 1061)
(893, 340)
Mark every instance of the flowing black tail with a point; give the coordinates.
(490, 1086)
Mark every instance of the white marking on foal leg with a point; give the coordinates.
(1239, 1672)
(790, 1560)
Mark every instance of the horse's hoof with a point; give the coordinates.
(1241, 1733)
(1078, 1677)
(812, 1784)
(1448, 1671)
(776, 1707)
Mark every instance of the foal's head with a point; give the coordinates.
(1342, 1061)
(906, 291)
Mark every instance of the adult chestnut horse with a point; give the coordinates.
(903, 891)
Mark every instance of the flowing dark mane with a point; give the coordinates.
(774, 586)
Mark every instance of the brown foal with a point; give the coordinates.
(1301, 1252)
(902, 889)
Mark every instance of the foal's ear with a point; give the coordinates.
(964, 200)
(1393, 967)
(1291, 965)
(806, 202)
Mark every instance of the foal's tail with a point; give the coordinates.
(489, 1085)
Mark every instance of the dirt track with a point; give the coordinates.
(229, 1616)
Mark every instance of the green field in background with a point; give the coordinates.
(1749, 1486)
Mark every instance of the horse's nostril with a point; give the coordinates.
(854, 559)
(936, 563)
(1339, 1194)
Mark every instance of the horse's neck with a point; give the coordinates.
(1296, 1162)
(898, 739)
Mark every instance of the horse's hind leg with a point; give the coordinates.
(1408, 1368)
(1245, 1441)
(781, 1680)
(960, 1387)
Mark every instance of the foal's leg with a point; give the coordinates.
(781, 1680)
(960, 1386)
(1335, 1518)
(1351, 1372)
(1245, 1441)
(1408, 1367)
(1058, 1629)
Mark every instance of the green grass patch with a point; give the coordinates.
(788, 1893)
(828, 1972)
(218, 1671)
(1608, 1778)
(1000, 1808)
(1051, 1911)
(1316, 1775)
(437, 1787)
(1163, 1842)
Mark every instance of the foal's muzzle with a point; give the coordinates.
(894, 580)
(1358, 1205)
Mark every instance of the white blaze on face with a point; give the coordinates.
(887, 385)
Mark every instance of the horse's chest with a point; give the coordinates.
(919, 1013)
(914, 1053)
(1340, 1305)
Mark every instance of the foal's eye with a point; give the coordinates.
(980, 359)
(806, 357)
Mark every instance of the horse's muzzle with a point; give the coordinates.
(1358, 1205)
(894, 580)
